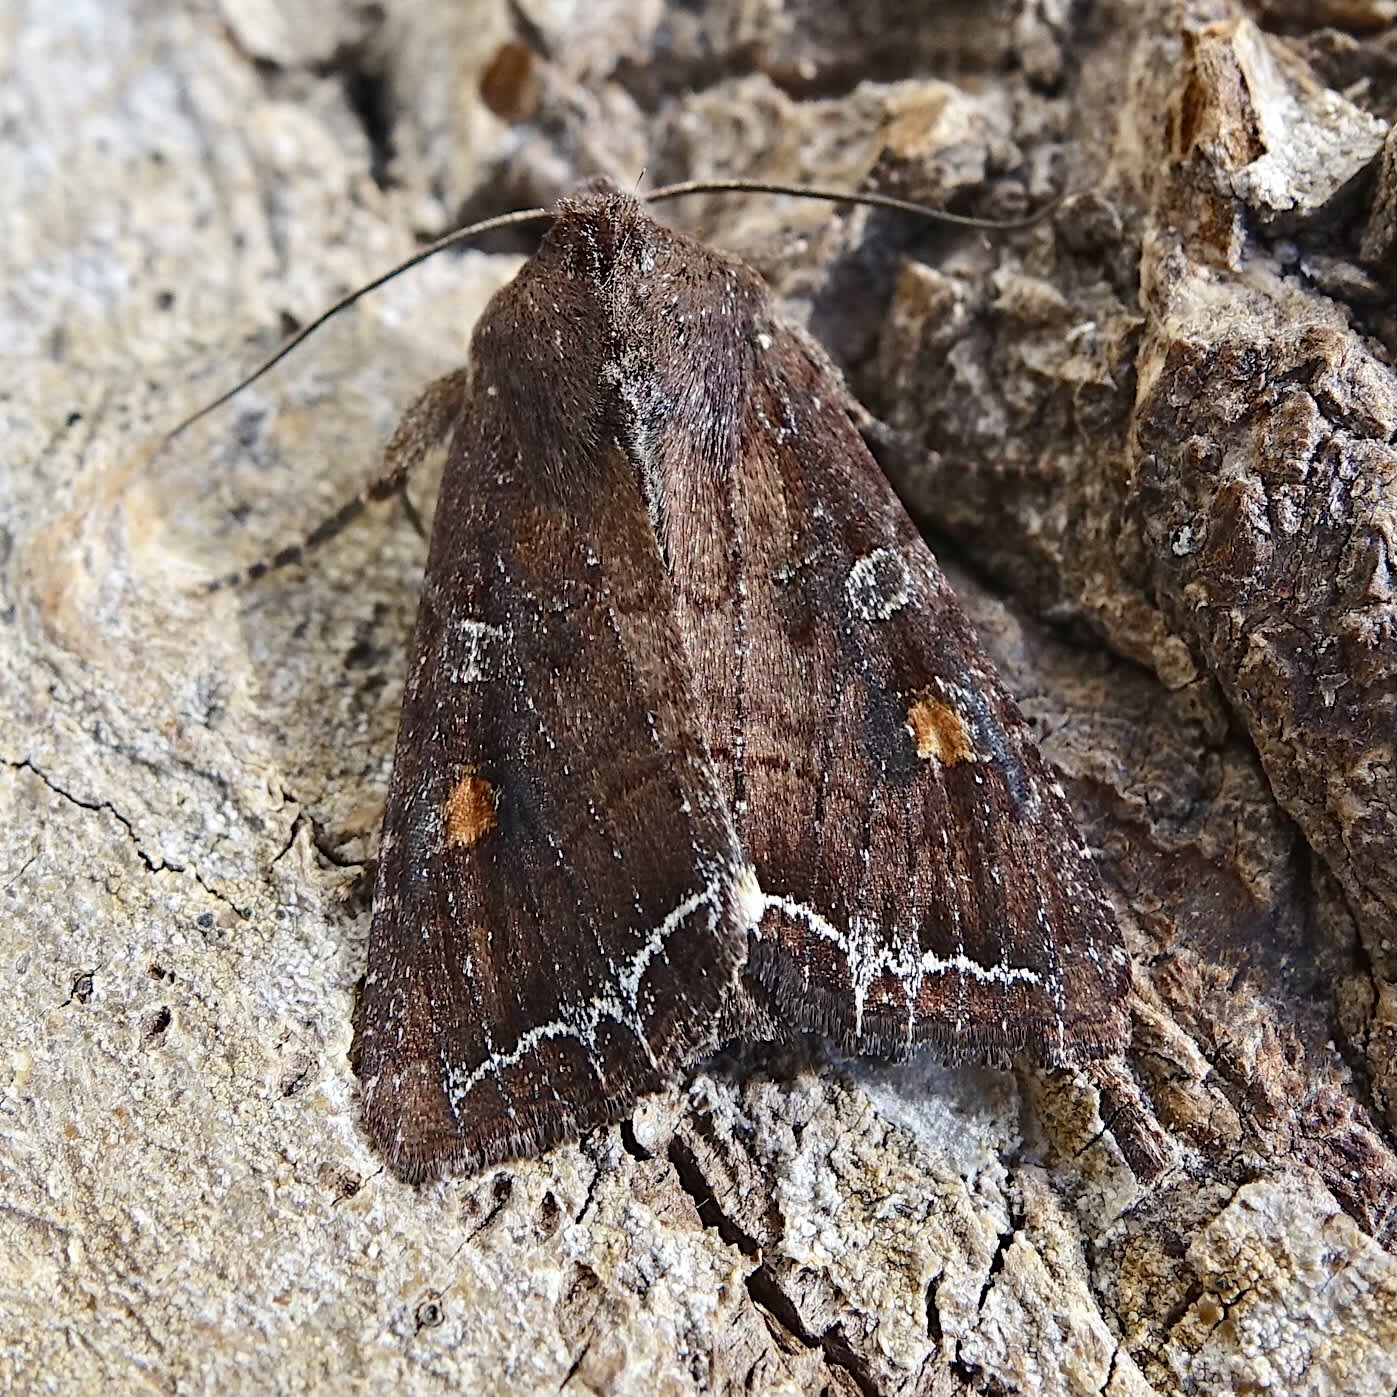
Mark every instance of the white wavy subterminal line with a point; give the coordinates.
(868, 958)
(617, 1008)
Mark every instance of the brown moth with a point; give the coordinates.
(696, 740)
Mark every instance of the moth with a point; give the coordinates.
(696, 741)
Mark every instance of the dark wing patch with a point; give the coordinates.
(559, 912)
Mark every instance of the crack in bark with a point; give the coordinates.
(501, 1191)
(933, 1310)
(1006, 1239)
(319, 841)
(780, 1309)
(631, 1145)
(592, 1184)
(19, 873)
(762, 1284)
(576, 1364)
(368, 93)
(97, 806)
(1111, 1370)
(106, 807)
(692, 1181)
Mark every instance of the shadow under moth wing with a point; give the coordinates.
(676, 625)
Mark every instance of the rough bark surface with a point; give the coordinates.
(1155, 432)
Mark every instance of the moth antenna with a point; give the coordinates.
(434, 414)
(655, 196)
(425, 425)
(844, 196)
(486, 225)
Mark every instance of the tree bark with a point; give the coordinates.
(1152, 437)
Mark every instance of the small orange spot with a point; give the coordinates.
(470, 810)
(939, 731)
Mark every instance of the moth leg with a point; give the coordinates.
(423, 427)
(890, 447)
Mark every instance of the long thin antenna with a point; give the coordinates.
(655, 196)
(487, 225)
(844, 196)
